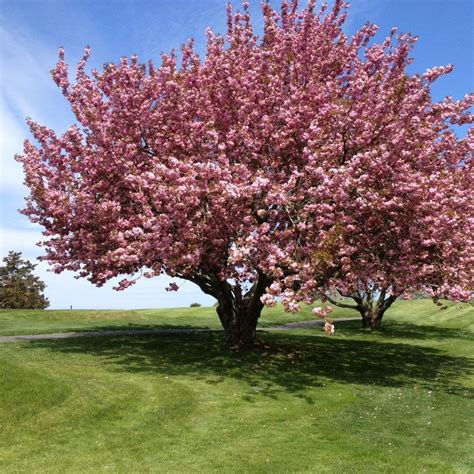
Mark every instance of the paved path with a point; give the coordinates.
(306, 324)
(144, 332)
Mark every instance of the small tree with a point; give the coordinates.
(19, 288)
(417, 235)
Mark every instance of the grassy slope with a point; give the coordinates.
(398, 401)
(36, 322)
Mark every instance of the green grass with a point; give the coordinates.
(399, 401)
(17, 322)
(39, 321)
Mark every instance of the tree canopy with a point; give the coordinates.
(293, 165)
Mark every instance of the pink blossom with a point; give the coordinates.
(268, 300)
(329, 329)
(322, 312)
(172, 287)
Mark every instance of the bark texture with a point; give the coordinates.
(238, 311)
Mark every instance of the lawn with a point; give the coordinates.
(38, 321)
(397, 401)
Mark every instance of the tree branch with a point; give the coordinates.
(341, 305)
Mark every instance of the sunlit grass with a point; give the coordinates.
(35, 322)
(50, 321)
(397, 401)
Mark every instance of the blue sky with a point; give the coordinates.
(32, 30)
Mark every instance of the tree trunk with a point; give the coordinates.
(371, 319)
(239, 321)
(371, 304)
(238, 313)
(373, 308)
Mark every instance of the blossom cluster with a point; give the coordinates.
(322, 312)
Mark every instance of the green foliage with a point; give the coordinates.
(19, 287)
(195, 305)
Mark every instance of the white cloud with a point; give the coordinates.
(26, 84)
(26, 90)
(12, 134)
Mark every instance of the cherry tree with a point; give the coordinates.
(288, 166)
(417, 237)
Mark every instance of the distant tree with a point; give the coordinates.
(19, 288)
(195, 305)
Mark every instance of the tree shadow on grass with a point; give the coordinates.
(392, 329)
(281, 362)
